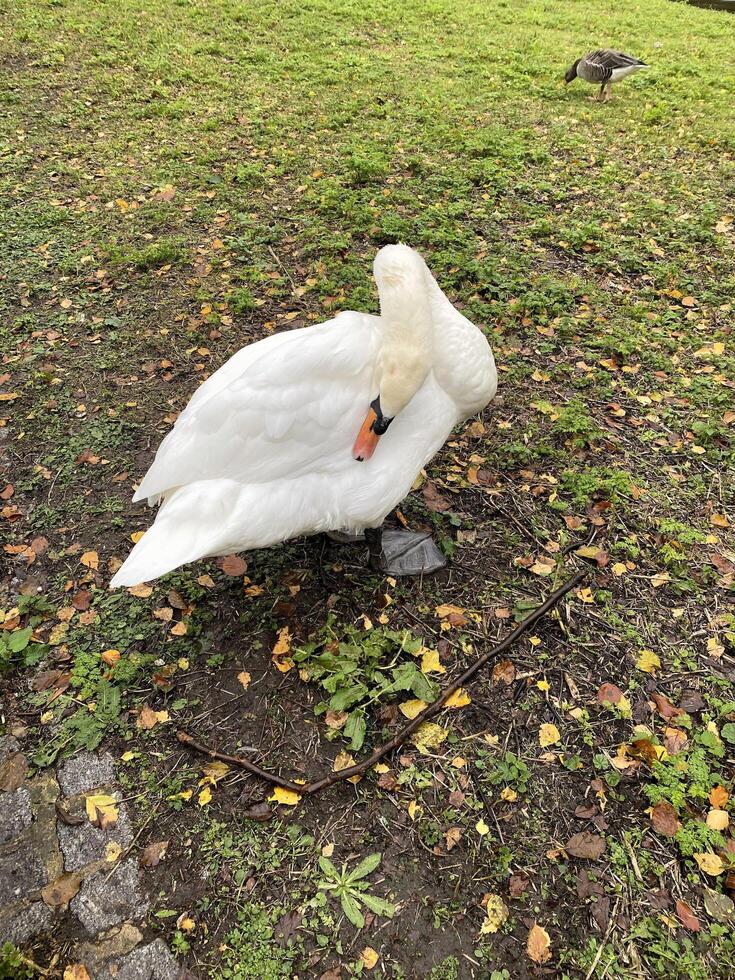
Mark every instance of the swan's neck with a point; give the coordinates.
(406, 319)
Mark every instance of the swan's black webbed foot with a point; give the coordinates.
(396, 552)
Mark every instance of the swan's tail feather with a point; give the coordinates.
(159, 551)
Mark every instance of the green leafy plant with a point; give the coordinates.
(351, 889)
(359, 668)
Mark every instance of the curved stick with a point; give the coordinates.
(360, 768)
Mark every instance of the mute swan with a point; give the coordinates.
(319, 429)
(602, 68)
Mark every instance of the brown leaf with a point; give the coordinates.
(664, 819)
(664, 707)
(609, 693)
(50, 678)
(453, 837)
(153, 854)
(82, 600)
(504, 672)
(517, 885)
(687, 918)
(586, 845)
(538, 945)
(433, 499)
(7, 492)
(336, 719)
(388, 781)
(13, 772)
(70, 819)
(675, 740)
(233, 565)
(61, 891)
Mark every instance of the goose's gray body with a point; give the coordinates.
(603, 67)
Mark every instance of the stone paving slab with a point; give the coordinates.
(15, 814)
(23, 922)
(85, 772)
(110, 897)
(84, 844)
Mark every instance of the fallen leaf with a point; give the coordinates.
(648, 661)
(101, 809)
(664, 707)
(482, 828)
(244, 678)
(538, 945)
(90, 559)
(718, 797)
(110, 657)
(180, 629)
(285, 796)
(586, 845)
(164, 613)
(153, 854)
(496, 913)
(548, 734)
(147, 718)
(428, 736)
(205, 796)
(137, 536)
(453, 837)
(710, 863)
(430, 663)
(719, 906)
(504, 672)
(369, 957)
(234, 566)
(719, 520)
(718, 820)
(413, 707)
(459, 699)
(447, 609)
(283, 643)
(185, 923)
(687, 918)
(76, 971)
(336, 719)
(113, 850)
(343, 760)
(62, 890)
(13, 772)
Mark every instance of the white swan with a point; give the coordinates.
(277, 444)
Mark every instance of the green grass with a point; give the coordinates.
(184, 177)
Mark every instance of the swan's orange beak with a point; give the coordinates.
(367, 437)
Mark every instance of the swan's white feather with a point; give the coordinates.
(263, 451)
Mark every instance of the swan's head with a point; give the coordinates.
(405, 357)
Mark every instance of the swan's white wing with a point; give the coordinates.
(284, 406)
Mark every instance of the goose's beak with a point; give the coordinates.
(367, 437)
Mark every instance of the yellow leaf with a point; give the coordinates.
(128, 756)
(284, 664)
(182, 663)
(283, 643)
(414, 809)
(548, 734)
(343, 761)
(585, 595)
(430, 663)
(718, 819)
(538, 945)
(76, 971)
(90, 559)
(543, 685)
(180, 629)
(142, 591)
(710, 863)
(447, 609)
(458, 762)
(412, 708)
(428, 736)
(661, 578)
(619, 568)
(215, 770)
(110, 657)
(482, 828)
(206, 580)
(101, 809)
(379, 767)
(648, 661)
(369, 957)
(186, 924)
(459, 699)
(542, 568)
(509, 795)
(205, 796)
(136, 536)
(244, 678)
(285, 796)
(112, 851)
(496, 913)
(719, 520)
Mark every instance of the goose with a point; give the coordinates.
(319, 429)
(602, 68)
